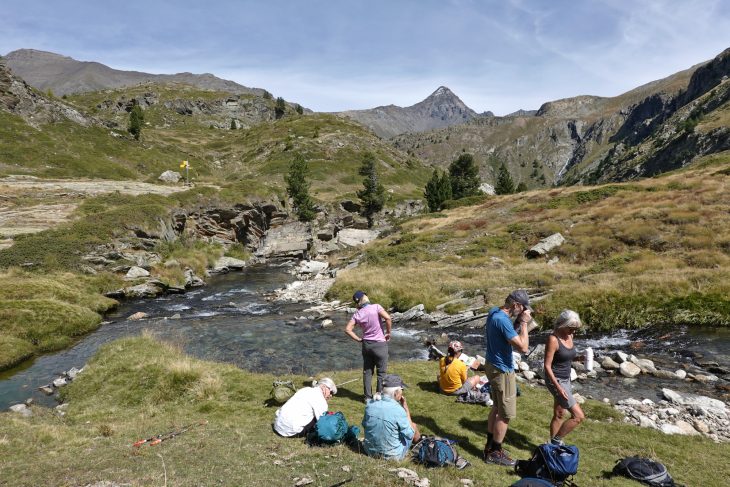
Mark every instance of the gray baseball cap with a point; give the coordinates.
(393, 380)
(521, 296)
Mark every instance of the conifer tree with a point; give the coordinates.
(464, 177)
(136, 119)
(372, 196)
(438, 190)
(504, 185)
(280, 107)
(297, 187)
(521, 187)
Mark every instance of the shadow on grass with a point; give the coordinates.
(430, 386)
(513, 437)
(462, 441)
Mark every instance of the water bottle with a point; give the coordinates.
(589, 359)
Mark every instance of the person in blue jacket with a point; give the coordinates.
(389, 430)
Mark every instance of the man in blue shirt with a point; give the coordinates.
(389, 430)
(501, 336)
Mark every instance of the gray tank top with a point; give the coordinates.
(562, 360)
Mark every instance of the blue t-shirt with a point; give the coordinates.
(498, 331)
(388, 432)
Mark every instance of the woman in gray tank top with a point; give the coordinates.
(559, 355)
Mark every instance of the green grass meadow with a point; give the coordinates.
(137, 387)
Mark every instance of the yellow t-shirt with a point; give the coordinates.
(451, 376)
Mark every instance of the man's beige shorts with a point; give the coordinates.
(503, 386)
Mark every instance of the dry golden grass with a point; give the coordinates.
(667, 237)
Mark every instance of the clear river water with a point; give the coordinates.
(230, 320)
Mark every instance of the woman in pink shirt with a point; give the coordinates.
(374, 341)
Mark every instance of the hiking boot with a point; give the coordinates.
(500, 457)
(556, 442)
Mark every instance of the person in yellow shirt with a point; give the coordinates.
(452, 373)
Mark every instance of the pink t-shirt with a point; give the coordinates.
(368, 318)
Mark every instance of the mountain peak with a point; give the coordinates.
(442, 91)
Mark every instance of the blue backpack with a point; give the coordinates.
(332, 428)
(533, 482)
(550, 462)
(436, 452)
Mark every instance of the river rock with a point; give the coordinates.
(523, 366)
(546, 245)
(670, 429)
(135, 272)
(628, 369)
(609, 364)
(579, 367)
(415, 313)
(226, 263)
(646, 365)
(664, 374)
(46, 389)
(149, 289)
(353, 237)
(312, 267)
(621, 357)
(60, 382)
(578, 398)
(139, 315)
(327, 323)
(528, 374)
(701, 426)
(21, 409)
(170, 177)
(191, 280)
(713, 405)
(72, 373)
(681, 373)
(705, 378)
(686, 428)
(645, 422)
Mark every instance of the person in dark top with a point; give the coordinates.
(559, 355)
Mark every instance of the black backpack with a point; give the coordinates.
(645, 471)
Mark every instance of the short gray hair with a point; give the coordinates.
(567, 319)
(390, 391)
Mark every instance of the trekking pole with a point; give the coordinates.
(348, 382)
(157, 439)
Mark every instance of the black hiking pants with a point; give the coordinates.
(374, 355)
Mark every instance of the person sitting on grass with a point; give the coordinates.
(300, 413)
(559, 355)
(453, 372)
(389, 430)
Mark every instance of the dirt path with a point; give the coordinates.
(29, 205)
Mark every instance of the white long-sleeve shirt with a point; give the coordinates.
(305, 405)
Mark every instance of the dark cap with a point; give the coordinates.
(393, 380)
(520, 296)
(358, 296)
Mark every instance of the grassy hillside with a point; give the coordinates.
(257, 154)
(135, 388)
(654, 251)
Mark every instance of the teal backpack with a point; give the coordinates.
(332, 428)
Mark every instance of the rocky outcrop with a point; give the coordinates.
(546, 245)
(18, 98)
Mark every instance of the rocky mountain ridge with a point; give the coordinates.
(64, 75)
(589, 139)
(442, 108)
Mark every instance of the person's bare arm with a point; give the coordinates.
(349, 331)
(521, 342)
(388, 322)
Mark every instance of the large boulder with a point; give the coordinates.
(312, 267)
(170, 177)
(135, 272)
(21, 409)
(546, 245)
(691, 400)
(609, 364)
(487, 189)
(353, 237)
(628, 369)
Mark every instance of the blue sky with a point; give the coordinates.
(345, 54)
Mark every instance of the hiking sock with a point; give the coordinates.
(496, 446)
(490, 441)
